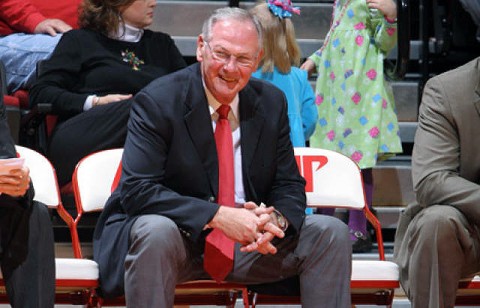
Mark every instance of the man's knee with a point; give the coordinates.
(439, 221)
(42, 211)
(154, 231)
(40, 217)
(328, 226)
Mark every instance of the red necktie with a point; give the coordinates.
(219, 249)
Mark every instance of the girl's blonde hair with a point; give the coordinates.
(279, 43)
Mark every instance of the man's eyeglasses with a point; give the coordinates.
(225, 57)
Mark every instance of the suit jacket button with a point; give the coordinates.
(211, 199)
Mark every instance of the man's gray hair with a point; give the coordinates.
(230, 13)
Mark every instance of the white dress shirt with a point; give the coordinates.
(234, 119)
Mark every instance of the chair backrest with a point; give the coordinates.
(93, 177)
(333, 179)
(42, 175)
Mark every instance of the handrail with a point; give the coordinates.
(397, 70)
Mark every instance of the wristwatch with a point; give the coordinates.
(282, 222)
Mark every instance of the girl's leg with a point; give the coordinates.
(357, 221)
(326, 211)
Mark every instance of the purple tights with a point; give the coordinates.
(357, 220)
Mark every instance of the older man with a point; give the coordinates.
(206, 148)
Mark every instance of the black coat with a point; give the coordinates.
(14, 212)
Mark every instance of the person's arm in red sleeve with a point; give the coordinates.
(19, 16)
(22, 16)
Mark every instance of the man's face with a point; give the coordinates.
(229, 58)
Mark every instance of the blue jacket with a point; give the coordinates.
(302, 112)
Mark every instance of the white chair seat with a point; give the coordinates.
(475, 279)
(365, 270)
(76, 269)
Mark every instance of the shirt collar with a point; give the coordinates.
(127, 33)
(213, 105)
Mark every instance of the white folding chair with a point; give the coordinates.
(92, 185)
(75, 278)
(334, 180)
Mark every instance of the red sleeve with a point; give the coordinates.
(18, 16)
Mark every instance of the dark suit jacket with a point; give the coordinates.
(14, 212)
(170, 165)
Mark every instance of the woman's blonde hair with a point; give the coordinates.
(280, 46)
(103, 16)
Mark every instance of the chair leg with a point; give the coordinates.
(95, 301)
(254, 299)
(246, 303)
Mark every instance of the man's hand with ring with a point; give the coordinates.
(267, 231)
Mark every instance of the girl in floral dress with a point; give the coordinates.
(355, 103)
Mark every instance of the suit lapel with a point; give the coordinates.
(196, 115)
(252, 118)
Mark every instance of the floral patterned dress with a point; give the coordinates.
(356, 109)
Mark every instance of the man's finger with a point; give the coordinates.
(250, 205)
(273, 229)
(267, 248)
(259, 211)
(264, 219)
(249, 248)
(265, 238)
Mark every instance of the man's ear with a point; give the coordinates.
(200, 44)
(259, 58)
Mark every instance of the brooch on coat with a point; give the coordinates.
(130, 58)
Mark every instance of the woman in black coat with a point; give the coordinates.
(93, 74)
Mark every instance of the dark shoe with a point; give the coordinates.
(362, 242)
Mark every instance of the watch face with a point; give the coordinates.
(281, 222)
